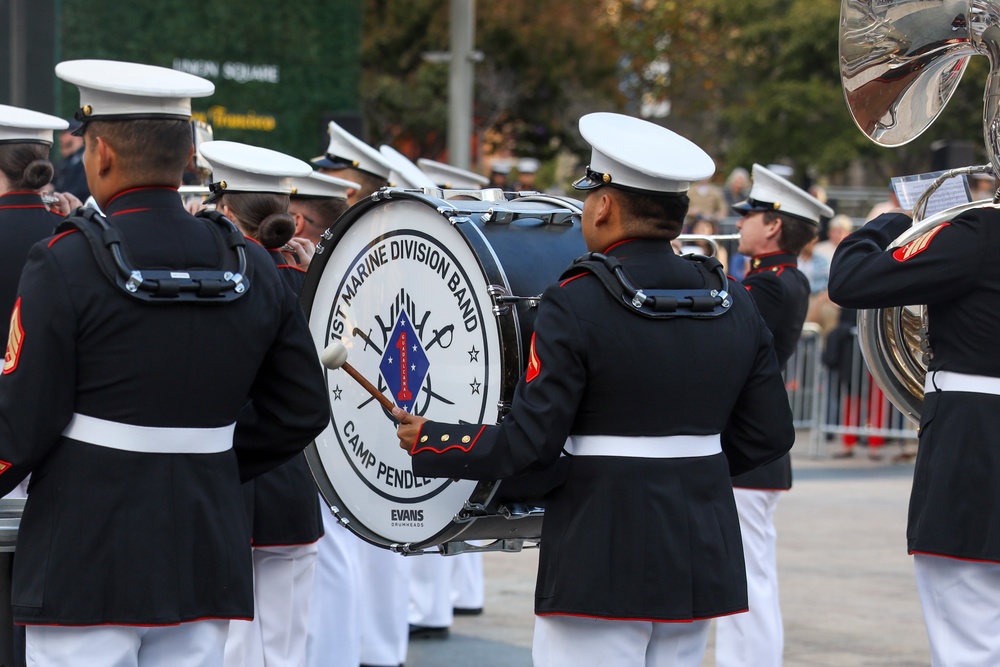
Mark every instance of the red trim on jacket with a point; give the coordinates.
(569, 280)
(290, 266)
(137, 189)
(616, 244)
(428, 448)
(966, 560)
(59, 236)
(138, 625)
(130, 210)
(26, 206)
(645, 620)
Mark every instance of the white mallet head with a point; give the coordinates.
(334, 356)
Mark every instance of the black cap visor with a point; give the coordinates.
(592, 180)
(748, 206)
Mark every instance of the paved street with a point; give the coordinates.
(847, 588)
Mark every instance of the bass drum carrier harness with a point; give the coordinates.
(208, 286)
(659, 303)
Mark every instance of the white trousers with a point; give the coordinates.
(467, 589)
(283, 586)
(757, 637)
(198, 644)
(571, 641)
(385, 582)
(431, 591)
(961, 605)
(334, 636)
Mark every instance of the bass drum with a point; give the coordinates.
(434, 300)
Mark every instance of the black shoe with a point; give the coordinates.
(423, 632)
(467, 611)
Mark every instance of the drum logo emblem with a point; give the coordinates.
(404, 363)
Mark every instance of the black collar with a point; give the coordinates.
(772, 260)
(144, 198)
(21, 199)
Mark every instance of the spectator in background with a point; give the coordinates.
(736, 190)
(822, 311)
(983, 187)
(737, 186)
(890, 204)
(707, 201)
(69, 171)
(702, 226)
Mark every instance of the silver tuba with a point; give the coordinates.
(900, 62)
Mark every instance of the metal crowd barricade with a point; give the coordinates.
(840, 404)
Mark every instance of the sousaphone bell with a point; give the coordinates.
(900, 63)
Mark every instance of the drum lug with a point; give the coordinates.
(516, 511)
(498, 293)
(342, 520)
(502, 299)
(471, 511)
(456, 219)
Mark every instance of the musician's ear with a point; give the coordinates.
(606, 207)
(105, 156)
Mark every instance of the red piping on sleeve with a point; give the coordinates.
(428, 448)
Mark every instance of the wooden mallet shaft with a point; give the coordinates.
(335, 356)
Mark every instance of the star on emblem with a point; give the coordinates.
(337, 392)
(473, 354)
(475, 386)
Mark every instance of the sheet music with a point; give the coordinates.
(953, 192)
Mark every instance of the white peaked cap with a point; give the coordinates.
(528, 165)
(635, 154)
(243, 168)
(771, 192)
(405, 174)
(447, 176)
(26, 126)
(321, 186)
(118, 90)
(348, 152)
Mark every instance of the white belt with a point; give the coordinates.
(646, 447)
(952, 381)
(149, 439)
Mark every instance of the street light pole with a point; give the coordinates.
(18, 55)
(460, 81)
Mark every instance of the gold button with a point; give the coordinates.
(223, 185)
(444, 438)
(87, 110)
(777, 206)
(466, 439)
(424, 439)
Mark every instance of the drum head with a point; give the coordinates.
(407, 295)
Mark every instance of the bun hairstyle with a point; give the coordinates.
(261, 215)
(275, 230)
(26, 165)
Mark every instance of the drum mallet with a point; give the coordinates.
(335, 356)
